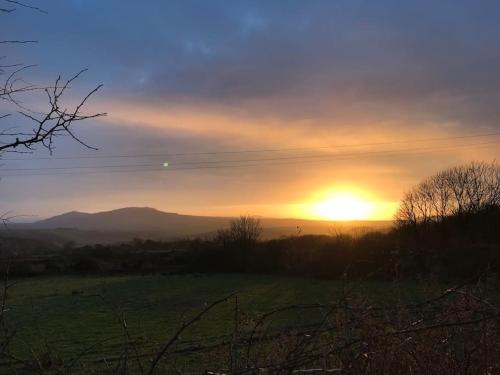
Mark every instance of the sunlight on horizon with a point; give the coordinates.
(344, 207)
(347, 205)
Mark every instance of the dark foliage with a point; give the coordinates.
(457, 246)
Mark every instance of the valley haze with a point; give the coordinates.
(125, 224)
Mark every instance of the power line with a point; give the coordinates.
(166, 154)
(172, 166)
(346, 157)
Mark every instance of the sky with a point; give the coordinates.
(358, 101)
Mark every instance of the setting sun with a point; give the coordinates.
(343, 206)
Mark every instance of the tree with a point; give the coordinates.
(23, 128)
(37, 127)
(243, 232)
(458, 191)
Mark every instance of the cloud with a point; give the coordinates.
(197, 75)
(263, 55)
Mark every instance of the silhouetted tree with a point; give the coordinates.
(242, 232)
(23, 128)
(38, 127)
(461, 190)
(448, 224)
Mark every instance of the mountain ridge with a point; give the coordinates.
(151, 223)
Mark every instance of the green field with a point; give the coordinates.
(68, 316)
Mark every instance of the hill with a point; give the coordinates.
(133, 219)
(127, 223)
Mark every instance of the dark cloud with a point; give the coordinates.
(234, 50)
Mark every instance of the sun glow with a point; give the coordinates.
(343, 206)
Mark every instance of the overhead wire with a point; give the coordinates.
(262, 150)
(172, 165)
(249, 162)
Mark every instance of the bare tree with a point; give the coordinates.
(244, 231)
(36, 127)
(465, 189)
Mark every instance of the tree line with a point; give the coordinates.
(447, 226)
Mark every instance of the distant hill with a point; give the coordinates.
(126, 223)
(136, 219)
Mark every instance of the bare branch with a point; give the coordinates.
(17, 41)
(184, 326)
(21, 4)
(55, 122)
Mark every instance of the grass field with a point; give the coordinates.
(67, 316)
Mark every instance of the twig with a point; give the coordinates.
(164, 350)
